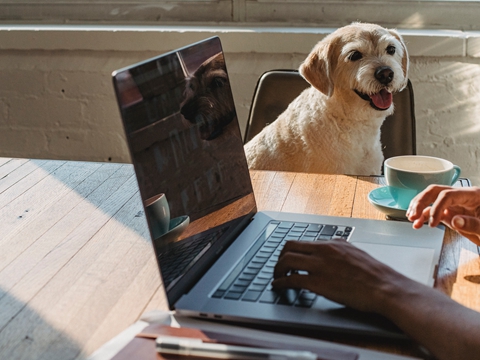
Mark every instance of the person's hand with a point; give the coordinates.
(457, 208)
(337, 270)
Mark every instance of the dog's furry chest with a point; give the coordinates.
(311, 137)
(350, 152)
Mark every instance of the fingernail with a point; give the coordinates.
(459, 222)
(430, 220)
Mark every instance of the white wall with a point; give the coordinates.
(57, 100)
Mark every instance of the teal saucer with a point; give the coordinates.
(382, 200)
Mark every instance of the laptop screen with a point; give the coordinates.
(187, 150)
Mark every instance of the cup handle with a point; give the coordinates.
(456, 175)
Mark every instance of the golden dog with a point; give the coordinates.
(333, 127)
(208, 101)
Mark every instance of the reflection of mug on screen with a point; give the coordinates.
(158, 213)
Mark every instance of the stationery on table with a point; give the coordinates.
(207, 349)
(139, 340)
(145, 346)
(216, 253)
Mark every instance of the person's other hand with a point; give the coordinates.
(457, 208)
(338, 271)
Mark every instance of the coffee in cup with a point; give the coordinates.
(158, 213)
(407, 176)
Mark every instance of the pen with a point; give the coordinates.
(196, 347)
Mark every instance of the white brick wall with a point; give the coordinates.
(57, 100)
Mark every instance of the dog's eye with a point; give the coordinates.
(218, 82)
(354, 56)
(391, 50)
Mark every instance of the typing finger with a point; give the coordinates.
(291, 262)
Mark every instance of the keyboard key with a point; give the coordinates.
(265, 251)
(260, 281)
(288, 297)
(267, 271)
(218, 294)
(237, 288)
(251, 271)
(263, 255)
(259, 260)
(276, 239)
(270, 245)
(329, 230)
(307, 295)
(304, 303)
(285, 225)
(269, 297)
(306, 299)
(240, 282)
(251, 295)
(265, 275)
(257, 287)
(314, 227)
(233, 295)
(246, 277)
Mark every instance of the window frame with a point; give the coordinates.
(405, 14)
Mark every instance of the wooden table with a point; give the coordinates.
(77, 267)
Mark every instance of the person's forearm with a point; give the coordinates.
(447, 329)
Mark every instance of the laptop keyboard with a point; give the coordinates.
(251, 279)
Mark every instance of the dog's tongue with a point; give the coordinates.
(382, 100)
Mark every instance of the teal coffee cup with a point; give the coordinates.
(407, 176)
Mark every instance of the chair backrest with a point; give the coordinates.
(277, 88)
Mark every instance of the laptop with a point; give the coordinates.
(215, 251)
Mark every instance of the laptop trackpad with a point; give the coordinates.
(413, 262)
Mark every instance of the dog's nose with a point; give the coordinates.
(384, 75)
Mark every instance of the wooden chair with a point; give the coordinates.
(277, 88)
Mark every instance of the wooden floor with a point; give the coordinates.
(76, 263)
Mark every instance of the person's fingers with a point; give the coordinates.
(446, 198)
(467, 226)
(294, 280)
(418, 221)
(301, 247)
(293, 261)
(423, 200)
(458, 200)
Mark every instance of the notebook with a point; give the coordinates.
(215, 251)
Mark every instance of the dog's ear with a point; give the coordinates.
(405, 57)
(318, 67)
